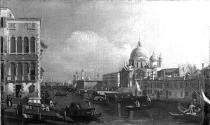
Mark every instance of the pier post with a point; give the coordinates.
(130, 114)
(119, 109)
(64, 116)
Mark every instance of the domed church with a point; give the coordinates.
(141, 66)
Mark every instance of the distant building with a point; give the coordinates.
(20, 55)
(86, 84)
(170, 74)
(184, 90)
(111, 80)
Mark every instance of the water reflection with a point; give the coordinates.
(116, 114)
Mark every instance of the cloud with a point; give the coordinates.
(89, 51)
(99, 35)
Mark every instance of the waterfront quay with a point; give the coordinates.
(116, 113)
(112, 112)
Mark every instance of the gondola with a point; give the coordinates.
(35, 113)
(186, 116)
(141, 107)
(97, 100)
(140, 104)
(77, 113)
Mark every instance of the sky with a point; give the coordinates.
(98, 36)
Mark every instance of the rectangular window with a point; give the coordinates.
(33, 71)
(32, 26)
(11, 26)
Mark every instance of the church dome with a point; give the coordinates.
(139, 53)
(153, 57)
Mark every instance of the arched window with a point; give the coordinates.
(2, 44)
(32, 44)
(33, 71)
(26, 71)
(20, 71)
(12, 45)
(19, 44)
(13, 71)
(26, 45)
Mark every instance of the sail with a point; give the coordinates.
(205, 98)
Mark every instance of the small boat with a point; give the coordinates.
(98, 100)
(186, 117)
(140, 103)
(36, 112)
(138, 107)
(77, 113)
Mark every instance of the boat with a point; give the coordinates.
(39, 113)
(77, 113)
(138, 107)
(140, 103)
(97, 100)
(187, 116)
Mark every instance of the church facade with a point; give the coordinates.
(141, 66)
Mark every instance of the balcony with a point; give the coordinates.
(24, 78)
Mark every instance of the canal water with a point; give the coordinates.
(116, 114)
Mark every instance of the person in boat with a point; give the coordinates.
(47, 108)
(10, 101)
(138, 103)
(67, 109)
(43, 107)
(51, 103)
(191, 108)
(148, 99)
(19, 109)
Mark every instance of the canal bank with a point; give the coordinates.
(116, 113)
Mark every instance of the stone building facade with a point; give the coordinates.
(20, 55)
(111, 80)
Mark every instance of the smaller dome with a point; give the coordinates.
(153, 57)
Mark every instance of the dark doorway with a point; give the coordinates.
(17, 90)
